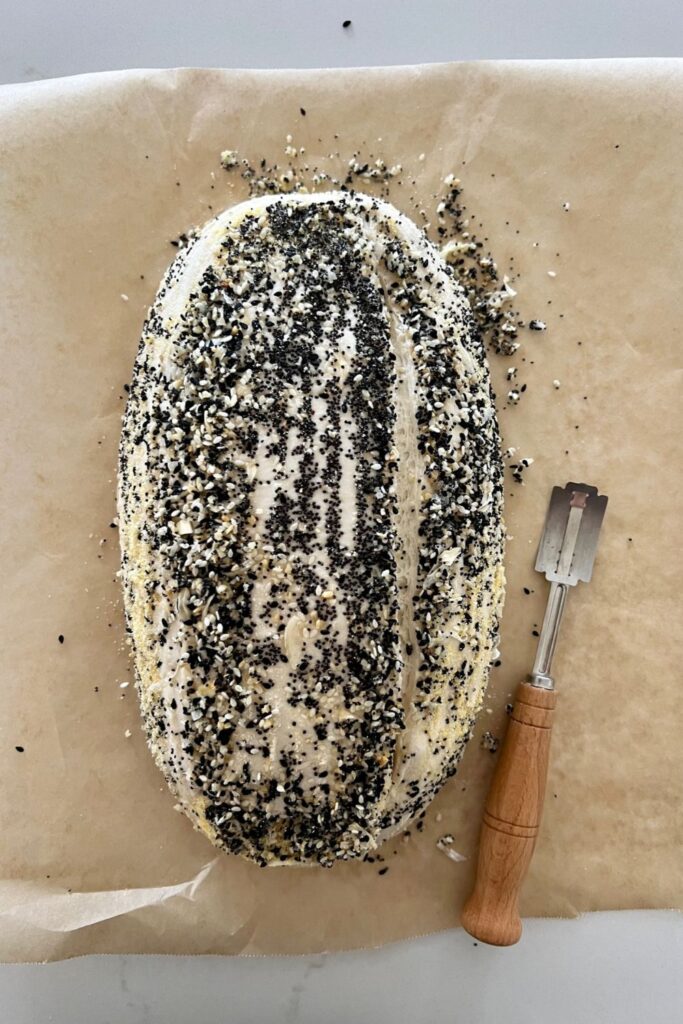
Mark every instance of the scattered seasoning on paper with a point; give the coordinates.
(556, 385)
(382, 871)
(490, 742)
(517, 469)
(347, 23)
(229, 158)
(537, 325)
(184, 239)
(19, 750)
(61, 638)
(445, 845)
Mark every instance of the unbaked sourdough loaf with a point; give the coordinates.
(310, 497)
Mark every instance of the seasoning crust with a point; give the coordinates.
(310, 507)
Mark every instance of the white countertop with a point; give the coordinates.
(616, 968)
(40, 39)
(603, 968)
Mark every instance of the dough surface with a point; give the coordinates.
(310, 506)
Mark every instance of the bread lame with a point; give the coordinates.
(515, 800)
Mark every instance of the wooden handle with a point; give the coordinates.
(511, 819)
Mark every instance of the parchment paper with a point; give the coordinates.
(98, 174)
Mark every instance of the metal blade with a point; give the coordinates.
(570, 537)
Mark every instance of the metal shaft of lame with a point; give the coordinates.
(540, 675)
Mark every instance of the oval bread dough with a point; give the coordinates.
(310, 503)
